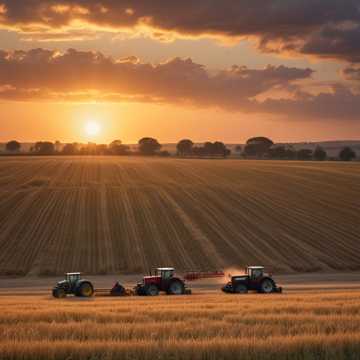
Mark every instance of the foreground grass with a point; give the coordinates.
(204, 326)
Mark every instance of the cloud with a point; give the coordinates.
(47, 75)
(325, 28)
(177, 80)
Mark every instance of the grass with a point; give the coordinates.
(125, 214)
(202, 326)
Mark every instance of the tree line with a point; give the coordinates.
(255, 148)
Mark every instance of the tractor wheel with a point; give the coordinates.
(59, 293)
(85, 289)
(152, 290)
(176, 288)
(240, 289)
(267, 286)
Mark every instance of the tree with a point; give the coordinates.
(70, 149)
(13, 146)
(304, 154)
(220, 149)
(278, 152)
(118, 148)
(347, 154)
(319, 154)
(43, 148)
(149, 146)
(258, 146)
(184, 147)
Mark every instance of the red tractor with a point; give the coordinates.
(253, 279)
(163, 280)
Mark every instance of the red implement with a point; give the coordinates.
(196, 275)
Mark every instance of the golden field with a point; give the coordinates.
(202, 326)
(127, 214)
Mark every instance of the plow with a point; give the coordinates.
(165, 280)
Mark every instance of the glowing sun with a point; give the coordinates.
(92, 128)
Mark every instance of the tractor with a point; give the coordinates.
(73, 284)
(165, 280)
(254, 279)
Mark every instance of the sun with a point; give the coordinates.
(92, 128)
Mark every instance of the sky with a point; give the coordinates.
(99, 70)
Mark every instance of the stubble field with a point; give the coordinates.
(299, 325)
(126, 214)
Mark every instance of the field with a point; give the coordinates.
(106, 215)
(299, 325)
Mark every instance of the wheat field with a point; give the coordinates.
(202, 326)
(126, 214)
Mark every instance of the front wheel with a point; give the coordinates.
(59, 293)
(241, 289)
(152, 290)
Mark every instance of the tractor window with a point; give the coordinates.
(256, 273)
(167, 274)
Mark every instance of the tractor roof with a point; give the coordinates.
(166, 269)
(73, 273)
(255, 267)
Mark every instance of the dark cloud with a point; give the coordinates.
(339, 104)
(327, 28)
(75, 73)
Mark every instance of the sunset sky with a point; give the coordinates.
(99, 70)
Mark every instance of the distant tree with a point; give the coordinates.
(319, 154)
(220, 149)
(304, 154)
(43, 148)
(347, 154)
(164, 153)
(184, 147)
(13, 146)
(70, 149)
(101, 149)
(278, 152)
(118, 148)
(149, 146)
(258, 146)
(238, 149)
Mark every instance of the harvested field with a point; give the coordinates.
(126, 214)
(203, 326)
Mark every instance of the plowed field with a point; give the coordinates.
(127, 214)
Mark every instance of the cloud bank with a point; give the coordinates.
(323, 28)
(41, 74)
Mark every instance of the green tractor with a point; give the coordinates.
(73, 284)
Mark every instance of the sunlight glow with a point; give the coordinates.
(92, 128)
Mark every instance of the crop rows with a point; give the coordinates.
(109, 214)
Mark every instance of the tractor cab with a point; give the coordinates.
(255, 272)
(165, 273)
(73, 278)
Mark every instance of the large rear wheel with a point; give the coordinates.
(85, 289)
(176, 288)
(267, 286)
